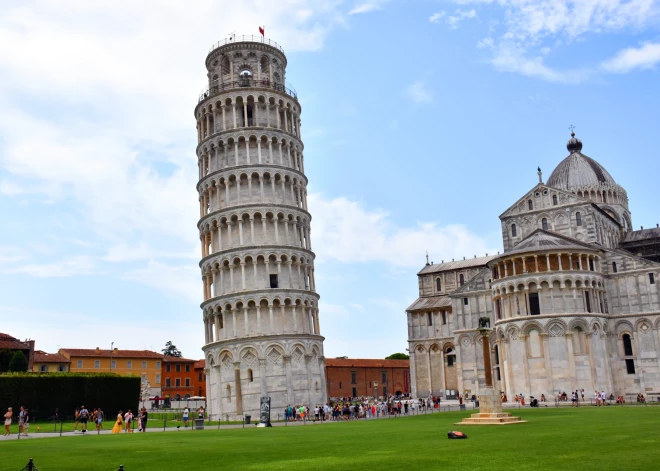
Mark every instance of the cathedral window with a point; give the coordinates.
(450, 360)
(613, 267)
(273, 281)
(530, 205)
(461, 279)
(544, 224)
(578, 218)
(534, 304)
(465, 301)
(430, 318)
(444, 317)
(438, 284)
(630, 366)
(514, 231)
(627, 345)
(250, 376)
(651, 278)
(554, 200)
(587, 300)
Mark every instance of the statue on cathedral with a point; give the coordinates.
(484, 322)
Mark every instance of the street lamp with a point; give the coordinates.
(112, 344)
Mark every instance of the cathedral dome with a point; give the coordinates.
(577, 172)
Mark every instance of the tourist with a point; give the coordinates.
(21, 418)
(144, 415)
(186, 412)
(597, 398)
(200, 412)
(119, 422)
(603, 398)
(26, 422)
(76, 415)
(99, 419)
(542, 397)
(128, 420)
(8, 416)
(84, 416)
(574, 399)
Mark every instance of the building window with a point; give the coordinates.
(250, 376)
(630, 366)
(461, 279)
(465, 301)
(627, 345)
(613, 267)
(158, 365)
(554, 200)
(587, 299)
(144, 365)
(578, 218)
(444, 317)
(97, 364)
(157, 379)
(514, 231)
(450, 360)
(530, 205)
(61, 368)
(354, 392)
(353, 377)
(199, 377)
(383, 377)
(129, 364)
(167, 382)
(80, 363)
(498, 308)
(168, 367)
(430, 318)
(43, 368)
(113, 364)
(177, 368)
(544, 224)
(534, 304)
(187, 382)
(188, 368)
(438, 284)
(177, 382)
(273, 281)
(651, 278)
(591, 264)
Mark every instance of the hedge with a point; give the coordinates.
(43, 393)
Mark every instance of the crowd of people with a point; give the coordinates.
(23, 421)
(125, 421)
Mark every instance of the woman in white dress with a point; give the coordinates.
(8, 416)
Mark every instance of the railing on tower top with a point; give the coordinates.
(246, 38)
(246, 82)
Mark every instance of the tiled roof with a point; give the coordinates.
(168, 359)
(200, 364)
(11, 343)
(634, 236)
(43, 357)
(90, 352)
(364, 363)
(540, 240)
(430, 302)
(457, 265)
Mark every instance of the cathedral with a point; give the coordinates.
(573, 299)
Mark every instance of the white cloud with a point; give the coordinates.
(419, 92)
(347, 232)
(436, 17)
(644, 57)
(486, 43)
(179, 281)
(78, 265)
(460, 15)
(367, 7)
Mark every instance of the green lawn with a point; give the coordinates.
(607, 438)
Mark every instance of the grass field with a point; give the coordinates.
(600, 439)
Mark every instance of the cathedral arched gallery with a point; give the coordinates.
(573, 299)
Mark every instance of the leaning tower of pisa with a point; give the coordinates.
(260, 307)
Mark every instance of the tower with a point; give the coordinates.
(260, 307)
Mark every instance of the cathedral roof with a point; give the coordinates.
(541, 240)
(430, 303)
(457, 265)
(578, 172)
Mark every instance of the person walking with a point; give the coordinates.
(21, 418)
(128, 420)
(26, 422)
(144, 416)
(76, 415)
(99, 419)
(119, 422)
(84, 417)
(186, 413)
(8, 416)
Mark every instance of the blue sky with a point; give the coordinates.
(422, 121)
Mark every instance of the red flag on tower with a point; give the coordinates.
(261, 30)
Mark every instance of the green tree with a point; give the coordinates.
(18, 362)
(170, 350)
(398, 356)
(5, 358)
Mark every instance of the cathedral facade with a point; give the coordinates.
(573, 300)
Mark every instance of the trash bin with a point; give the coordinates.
(462, 407)
(247, 419)
(199, 424)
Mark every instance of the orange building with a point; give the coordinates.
(178, 378)
(50, 362)
(348, 377)
(200, 378)
(143, 363)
